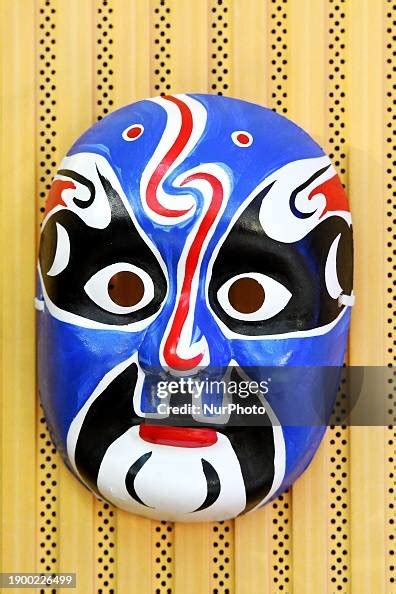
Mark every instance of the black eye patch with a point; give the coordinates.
(298, 266)
(93, 249)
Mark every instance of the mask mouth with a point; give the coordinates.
(185, 437)
(124, 456)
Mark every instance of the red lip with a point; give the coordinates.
(185, 437)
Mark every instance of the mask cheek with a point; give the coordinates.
(72, 361)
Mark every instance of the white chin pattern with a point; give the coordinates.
(171, 483)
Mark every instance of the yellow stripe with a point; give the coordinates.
(253, 548)
(189, 31)
(310, 550)
(192, 561)
(365, 101)
(18, 396)
(133, 559)
(132, 51)
(307, 69)
(250, 51)
(390, 432)
(365, 178)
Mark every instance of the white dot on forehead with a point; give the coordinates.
(242, 138)
(133, 132)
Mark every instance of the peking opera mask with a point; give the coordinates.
(191, 238)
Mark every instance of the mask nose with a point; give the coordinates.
(178, 348)
(184, 345)
(181, 350)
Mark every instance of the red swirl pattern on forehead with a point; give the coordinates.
(192, 254)
(165, 164)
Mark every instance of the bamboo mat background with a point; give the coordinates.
(327, 64)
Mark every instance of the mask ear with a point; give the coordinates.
(295, 270)
(75, 257)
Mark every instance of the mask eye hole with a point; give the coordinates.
(120, 288)
(246, 295)
(126, 288)
(253, 297)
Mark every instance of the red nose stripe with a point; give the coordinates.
(183, 437)
(171, 357)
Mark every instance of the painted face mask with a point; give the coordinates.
(191, 238)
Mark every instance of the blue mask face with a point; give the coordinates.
(191, 238)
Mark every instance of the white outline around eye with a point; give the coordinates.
(97, 288)
(125, 132)
(276, 298)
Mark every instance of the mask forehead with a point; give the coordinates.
(205, 135)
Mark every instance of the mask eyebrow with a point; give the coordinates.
(300, 188)
(85, 182)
